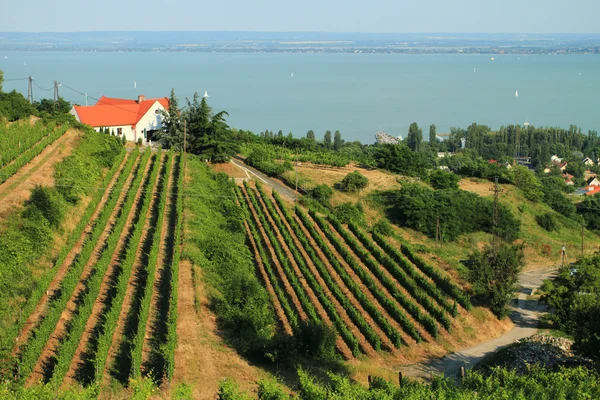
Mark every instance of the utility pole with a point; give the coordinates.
(30, 90)
(582, 238)
(55, 93)
(496, 191)
(438, 232)
(296, 168)
(184, 143)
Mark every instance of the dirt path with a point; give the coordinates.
(285, 191)
(108, 281)
(54, 340)
(39, 171)
(40, 308)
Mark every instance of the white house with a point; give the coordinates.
(588, 161)
(133, 119)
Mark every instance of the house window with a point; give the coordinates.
(119, 131)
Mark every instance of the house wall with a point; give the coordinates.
(125, 129)
(149, 121)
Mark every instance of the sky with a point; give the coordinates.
(389, 16)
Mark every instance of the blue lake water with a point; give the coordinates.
(357, 94)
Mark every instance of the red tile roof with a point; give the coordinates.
(114, 112)
(592, 190)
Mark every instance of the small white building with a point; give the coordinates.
(133, 119)
(588, 161)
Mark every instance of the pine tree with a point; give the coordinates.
(338, 142)
(327, 139)
(415, 137)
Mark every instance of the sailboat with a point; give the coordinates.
(205, 94)
(292, 75)
(134, 84)
(517, 93)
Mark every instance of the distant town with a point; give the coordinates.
(303, 42)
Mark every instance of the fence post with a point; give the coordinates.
(462, 374)
(370, 380)
(400, 379)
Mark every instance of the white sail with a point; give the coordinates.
(134, 84)
(517, 93)
(206, 94)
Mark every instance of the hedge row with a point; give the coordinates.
(358, 320)
(418, 292)
(386, 302)
(31, 351)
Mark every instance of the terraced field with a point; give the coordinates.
(377, 297)
(109, 306)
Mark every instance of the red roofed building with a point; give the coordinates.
(132, 118)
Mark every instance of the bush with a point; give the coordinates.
(49, 202)
(443, 180)
(139, 141)
(322, 193)
(353, 182)
(383, 228)
(348, 212)
(547, 221)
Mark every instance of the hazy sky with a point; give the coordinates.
(502, 16)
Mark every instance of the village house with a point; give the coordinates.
(134, 119)
(588, 162)
(592, 188)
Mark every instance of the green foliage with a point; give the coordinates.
(229, 390)
(547, 221)
(348, 212)
(415, 137)
(459, 211)
(494, 274)
(574, 295)
(84, 165)
(48, 106)
(440, 179)
(171, 135)
(353, 182)
(322, 193)
(525, 179)
(399, 158)
(216, 242)
(589, 210)
(49, 202)
(432, 135)
(383, 228)
(14, 106)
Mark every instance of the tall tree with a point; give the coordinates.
(171, 135)
(327, 139)
(1, 79)
(415, 137)
(338, 142)
(310, 135)
(494, 274)
(432, 135)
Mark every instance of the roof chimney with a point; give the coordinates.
(141, 98)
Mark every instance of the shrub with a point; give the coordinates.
(322, 193)
(353, 182)
(348, 212)
(383, 228)
(49, 202)
(443, 180)
(547, 221)
(139, 141)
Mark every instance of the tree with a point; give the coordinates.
(443, 180)
(46, 105)
(432, 135)
(327, 139)
(574, 296)
(529, 184)
(322, 193)
(415, 137)
(338, 142)
(589, 209)
(14, 106)
(310, 135)
(171, 135)
(1, 79)
(353, 182)
(494, 272)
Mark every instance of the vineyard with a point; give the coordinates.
(21, 141)
(108, 307)
(374, 295)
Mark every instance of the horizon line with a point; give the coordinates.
(310, 31)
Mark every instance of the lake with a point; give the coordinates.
(357, 94)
